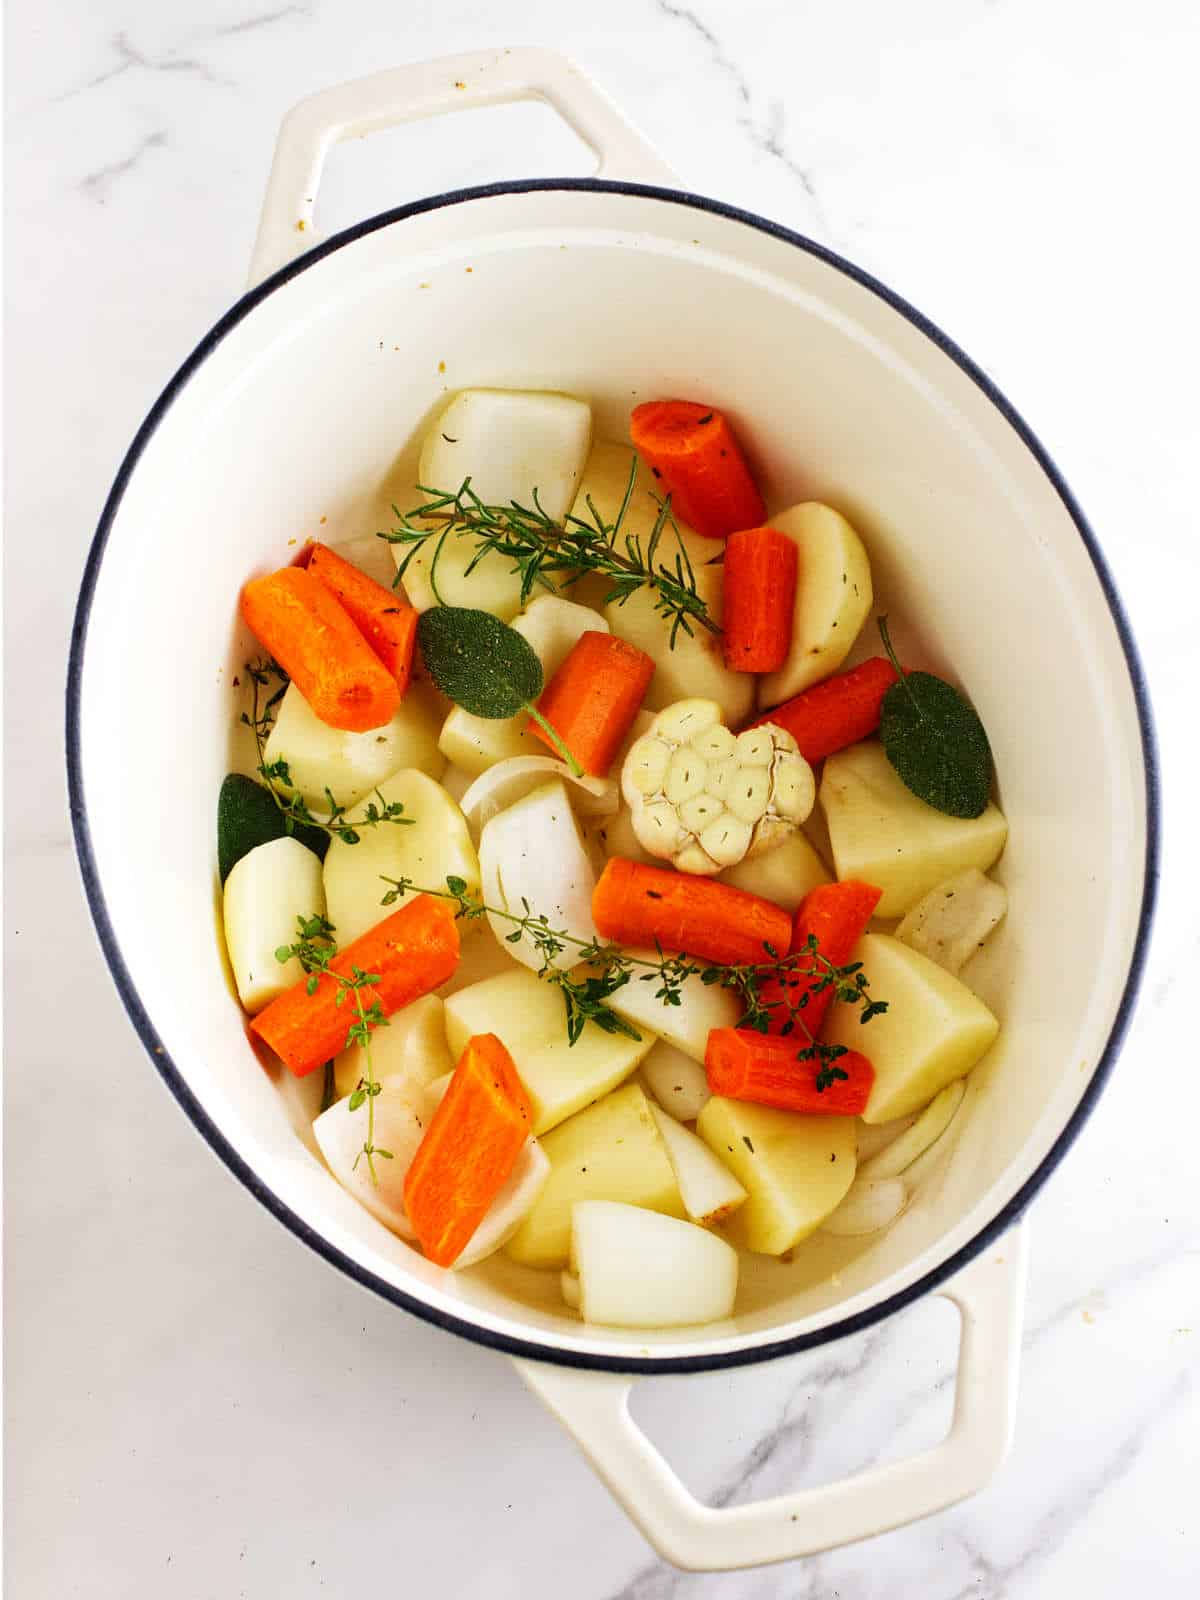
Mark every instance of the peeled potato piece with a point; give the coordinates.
(509, 442)
(352, 765)
(265, 892)
(526, 1013)
(636, 1269)
(833, 599)
(784, 874)
(433, 846)
(611, 1151)
(934, 1030)
(796, 1169)
(881, 833)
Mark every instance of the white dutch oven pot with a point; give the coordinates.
(294, 407)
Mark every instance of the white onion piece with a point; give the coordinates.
(531, 854)
(867, 1208)
(435, 1092)
(708, 1189)
(955, 919)
(639, 1269)
(873, 1139)
(508, 781)
(399, 1127)
(511, 1205)
(677, 1082)
(929, 1127)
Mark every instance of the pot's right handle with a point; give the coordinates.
(594, 1408)
(430, 89)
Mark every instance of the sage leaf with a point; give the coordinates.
(478, 661)
(935, 740)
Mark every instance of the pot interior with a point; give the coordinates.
(295, 423)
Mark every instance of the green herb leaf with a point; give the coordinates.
(248, 815)
(554, 555)
(485, 666)
(328, 1087)
(480, 662)
(935, 740)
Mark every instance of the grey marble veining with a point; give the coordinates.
(197, 1405)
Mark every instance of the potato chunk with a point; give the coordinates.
(526, 1013)
(881, 833)
(611, 1151)
(352, 765)
(796, 1169)
(833, 599)
(934, 1030)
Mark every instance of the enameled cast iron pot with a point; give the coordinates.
(617, 288)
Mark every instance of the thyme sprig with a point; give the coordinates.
(784, 982)
(554, 555)
(260, 719)
(315, 947)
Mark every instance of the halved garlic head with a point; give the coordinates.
(704, 798)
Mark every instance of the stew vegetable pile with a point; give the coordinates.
(522, 871)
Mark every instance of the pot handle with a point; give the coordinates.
(431, 89)
(594, 1408)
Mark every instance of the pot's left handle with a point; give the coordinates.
(594, 1408)
(431, 89)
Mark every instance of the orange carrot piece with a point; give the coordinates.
(743, 1065)
(413, 950)
(836, 915)
(468, 1151)
(758, 599)
(691, 449)
(384, 618)
(643, 906)
(311, 635)
(836, 713)
(592, 699)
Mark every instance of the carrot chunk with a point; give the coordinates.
(638, 905)
(691, 449)
(593, 698)
(384, 618)
(836, 713)
(758, 599)
(743, 1065)
(836, 915)
(311, 635)
(413, 950)
(468, 1151)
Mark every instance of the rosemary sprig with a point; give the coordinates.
(315, 947)
(260, 719)
(554, 555)
(607, 969)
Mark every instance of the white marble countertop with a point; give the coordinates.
(197, 1405)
